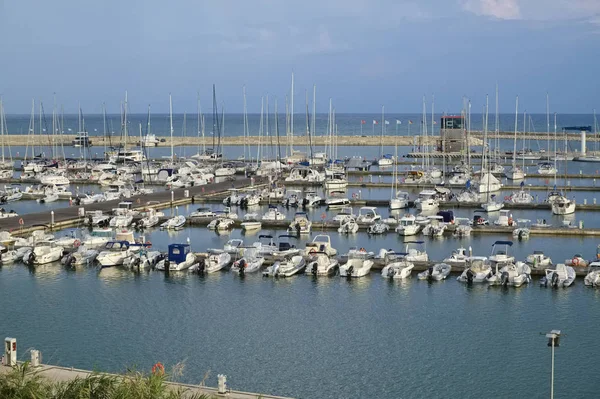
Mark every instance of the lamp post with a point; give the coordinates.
(553, 341)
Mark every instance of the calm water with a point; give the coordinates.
(308, 338)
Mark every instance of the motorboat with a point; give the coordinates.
(226, 212)
(285, 248)
(541, 224)
(251, 222)
(504, 219)
(286, 268)
(48, 198)
(400, 269)
(477, 270)
(221, 224)
(563, 276)
(399, 201)
(265, 245)
(546, 168)
(427, 200)
(415, 251)
(386, 160)
(515, 173)
(577, 261)
(300, 225)
(293, 198)
(346, 212)
(500, 253)
(115, 253)
(407, 226)
(273, 214)
(337, 202)
(378, 228)
(511, 274)
(462, 227)
(437, 272)
(348, 226)
(468, 196)
(121, 221)
(82, 256)
(321, 264)
(303, 174)
(217, 261)
(250, 262)
(563, 206)
(436, 227)
(368, 214)
(592, 279)
(234, 197)
(179, 257)
(458, 256)
(492, 205)
(174, 223)
(151, 219)
(203, 213)
(234, 246)
(311, 199)
(13, 255)
(521, 197)
(336, 181)
(538, 260)
(358, 264)
(321, 243)
(36, 237)
(97, 238)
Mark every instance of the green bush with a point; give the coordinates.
(23, 382)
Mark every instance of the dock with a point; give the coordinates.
(66, 374)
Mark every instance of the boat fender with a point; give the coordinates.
(575, 261)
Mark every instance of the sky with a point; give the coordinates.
(360, 53)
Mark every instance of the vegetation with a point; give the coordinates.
(24, 382)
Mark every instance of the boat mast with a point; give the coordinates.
(514, 161)
(104, 124)
(496, 130)
(292, 118)
(260, 131)
(245, 122)
(199, 111)
(555, 149)
(2, 126)
(171, 127)
(548, 121)
(314, 115)
(382, 128)
(277, 133)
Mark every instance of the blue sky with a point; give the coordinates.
(361, 53)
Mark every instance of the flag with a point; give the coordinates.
(398, 122)
(387, 122)
(410, 122)
(363, 122)
(375, 122)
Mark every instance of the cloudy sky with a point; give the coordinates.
(361, 53)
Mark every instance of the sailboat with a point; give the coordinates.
(547, 168)
(487, 181)
(399, 199)
(515, 172)
(4, 163)
(384, 159)
(561, 205)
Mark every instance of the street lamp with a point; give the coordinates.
(553, 341)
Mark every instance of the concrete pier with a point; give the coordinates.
(65, 374)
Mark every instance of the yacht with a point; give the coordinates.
(337, 202)
(179, 257)
(515, 173)
(427, 200)
(386, 160)
(563, 276)
(303, 174)
(477, 270)
(400, 269)
(521, 197)
(492, 205)
(357, 265)
(546, 168)
(82, 140)
(311, 199)
(114, 253)
(42, 253)
(563, 206)
(400, 201)
(273, 214)
(488, 183)
(436, 272)
(286, 268)
(336, 181)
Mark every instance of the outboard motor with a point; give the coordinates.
(430, 273)
(304, 202)
(314, 268)
(349, 272)
(298, 228)
(77, 201)
(520, 236)
(391, 272)
(504, 279)
(90, 220)
(217, 224)
(201, 266)
(167, 264)
(29, 258)
(276, 269)
(470, 276)
(135, 263)
(68, 260)
(554, 281)
(242, 267)
(229, 201)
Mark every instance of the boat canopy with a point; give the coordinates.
(509, 243)
(178, 252)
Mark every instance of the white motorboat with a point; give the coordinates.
(179, 257)
(174, 223)
(500, 253)
(477, 270)
(563, 276)
(337, 202)
(251, 222)
(504, 219)
(546, 168)
(386, 160)
(217, 261)
(97, 238)
(13, 255)
(83, 256)
(221, 224)
(265, 245)
(592, 279)
(436, 272)
(407, 226)
(415, 251)
(311, 199)
(203, 213)
(42, 253)
(304, 174)
(51, 197)
(250, 262)
(511, 274)
(273, 214)
(346, 212)
(468, 196)
(515, 173)
(436, 227)
(398, 270)
(563, 206)
(357, 265)
(458, 256)
(521, 197)
(521, 233)
(348, 226)
(378, 228)
(233, 198)
(577, 261)
(538, 260)
(427, 200)
(462, 227)
(293, 198)
(320, 264)
(286, 268)
(121, 221)
(235, 246)
(114, 253)
(321, 243)
(400, 201)
(368, 214)
(300, 225)
(150, 220)
(336, 181)
(492, 205)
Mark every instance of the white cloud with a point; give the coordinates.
(500, 9)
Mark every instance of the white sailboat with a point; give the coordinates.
(515, 172)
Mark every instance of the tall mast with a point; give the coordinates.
(313, 127)
(555, 143)
(199, 111)
(171, 127)
(496, 128)
(292, 118)
(245, 122)
(277, 133)
(382, 129)
(514, 162)
(548, 121)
